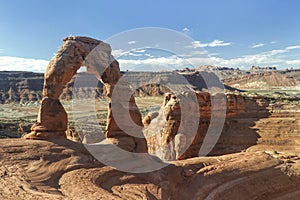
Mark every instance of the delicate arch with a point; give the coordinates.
(52, 119)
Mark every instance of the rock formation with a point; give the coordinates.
(20, 87)
(281, 130)
(169, 137)
(65, 170)
(26, 87)
(258, 68)
(262, 80)
(52, 119)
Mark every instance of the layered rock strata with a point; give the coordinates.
(280, 132)
(168, 135)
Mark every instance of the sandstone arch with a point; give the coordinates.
(52, 119)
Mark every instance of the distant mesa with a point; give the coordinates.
(264, 80)
(257, 68)
(26, 87)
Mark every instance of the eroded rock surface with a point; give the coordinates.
(62, 169)
(170, 137)
(262, 80)
(281, 130)
(252, 123)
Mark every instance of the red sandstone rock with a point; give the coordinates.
(169, 137)
(61, 169)
(96, 56)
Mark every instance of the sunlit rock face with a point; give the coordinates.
(96, 55)
(170, 137)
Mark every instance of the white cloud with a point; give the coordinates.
(273, 42)
(218, 43)
(9, 63)
(258, 45)
(171, 60)
(196, 44)
(132, 42)
(149, 55)
(153, 63)
(274, 57)
(139, 50)
(293, 47)
(215, 43)
(276, 52)
(133, 52)
(118, 52)
(199, 52)
(293, 62)
(264, 58)
(185, 30)
(214, 54)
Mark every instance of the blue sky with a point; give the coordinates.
(235, 33)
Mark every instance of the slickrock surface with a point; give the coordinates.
(62, 169)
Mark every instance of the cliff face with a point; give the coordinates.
(251, 124)
(20, 87)
(263, 80)
(281, 130)
(24, 87)
(168, 140)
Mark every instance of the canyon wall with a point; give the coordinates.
(263, 80)
(252, 123)
(26, 87)
(281, 130)
(168, 140)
